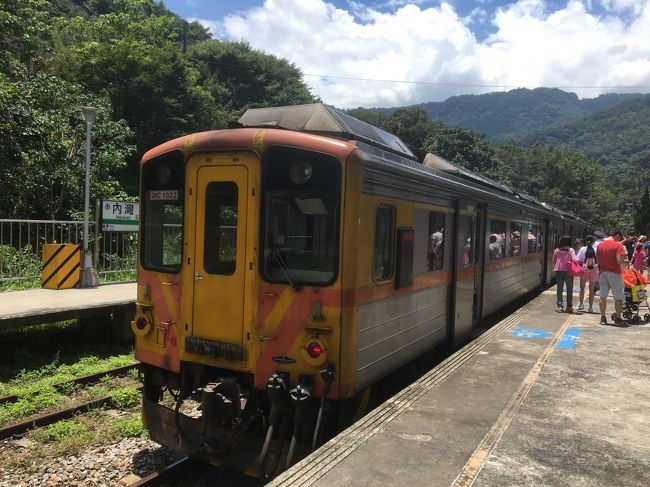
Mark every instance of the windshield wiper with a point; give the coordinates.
(276, 254)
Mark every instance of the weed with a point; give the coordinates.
(28, 381)
(104, 379)
(30, 404)
(125, 397)
(62, 430)
(135, 374)
(130, 428)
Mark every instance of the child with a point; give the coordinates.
(638, 258)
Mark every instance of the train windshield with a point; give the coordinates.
(302, 200)
(162, 213)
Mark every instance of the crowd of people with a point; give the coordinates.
(599, 264)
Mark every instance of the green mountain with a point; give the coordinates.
(516, 114)
(618, 136)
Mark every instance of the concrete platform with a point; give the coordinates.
(34, 306)
(541, 399)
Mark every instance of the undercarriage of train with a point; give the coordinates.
(219, 417)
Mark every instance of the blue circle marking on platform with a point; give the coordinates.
(530, 333)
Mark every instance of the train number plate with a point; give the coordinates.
(214, 349)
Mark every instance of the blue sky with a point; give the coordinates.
(399, 52)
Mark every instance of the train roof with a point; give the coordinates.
(321, 119)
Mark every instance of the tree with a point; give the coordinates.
(239, 77)
(470, 150)
(42, 148)
(642, 213)
(414, 127)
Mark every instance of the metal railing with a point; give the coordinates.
(21, 244)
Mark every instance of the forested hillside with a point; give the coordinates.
(517, 113)
(153, 75)
(617, 137)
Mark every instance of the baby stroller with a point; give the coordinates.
(636, 297)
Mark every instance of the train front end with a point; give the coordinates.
(239, 293)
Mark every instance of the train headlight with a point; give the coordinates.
(314, 351)
(142, 324)
(300, 172)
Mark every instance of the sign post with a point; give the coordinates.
(120, 216)
(89, 276)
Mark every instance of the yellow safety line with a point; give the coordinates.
(475, 463)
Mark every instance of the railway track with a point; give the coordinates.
(65, 413)
(156, 478)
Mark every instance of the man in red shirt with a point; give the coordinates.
(611, 256)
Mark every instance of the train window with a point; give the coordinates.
(162, 213)
(533, 238)
(220, 245)
(497, 240)
(515, 239)
(300, 222)
(384, 230)
(436, 240)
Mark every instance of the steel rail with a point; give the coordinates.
(156, 477)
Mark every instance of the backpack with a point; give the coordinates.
(590, 258)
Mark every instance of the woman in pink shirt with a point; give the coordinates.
(562, 257)
(638, 258)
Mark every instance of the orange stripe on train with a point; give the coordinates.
(289, 326)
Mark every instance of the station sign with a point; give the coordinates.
(120, 216)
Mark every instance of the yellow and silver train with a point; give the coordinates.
(288, 264)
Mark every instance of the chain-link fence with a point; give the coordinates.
(21, 243)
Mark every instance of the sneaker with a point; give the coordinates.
(603, 320)
(590, 310)
(560, 308)
(569, 309)
(621, 323)
(581, 307)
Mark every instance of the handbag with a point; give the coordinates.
(574, 269)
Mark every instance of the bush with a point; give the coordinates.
(130, 428)
(125, 397)
(63, 429)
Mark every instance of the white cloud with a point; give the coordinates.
(531, 46)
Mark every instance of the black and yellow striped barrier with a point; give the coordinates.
(60, 266)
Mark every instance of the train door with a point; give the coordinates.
(219, 258)
(467, 278)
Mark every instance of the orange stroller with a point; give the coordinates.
(636, 297)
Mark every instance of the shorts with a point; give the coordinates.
(589, 276)
(613, 281)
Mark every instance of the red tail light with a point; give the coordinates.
(314, 349)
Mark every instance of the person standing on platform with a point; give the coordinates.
(638, 258)
(587, 259)
(562, 257)
(612, 257)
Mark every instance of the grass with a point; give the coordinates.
(72, 437)
(36, 389)
(62, 430)
(130, 428)
(21, 285)
(66, 325)
(125, 397)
